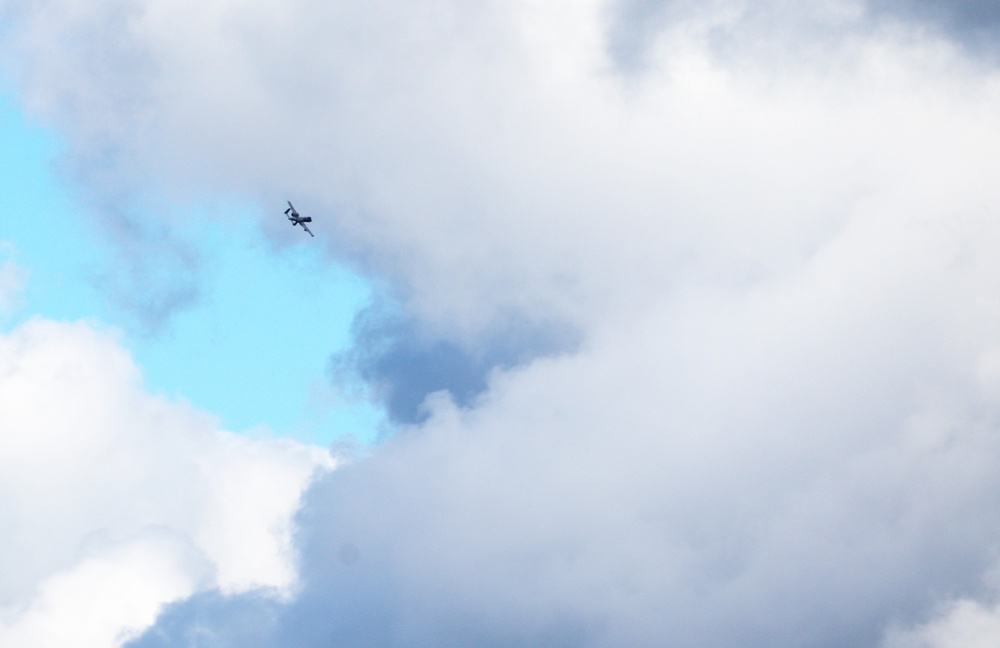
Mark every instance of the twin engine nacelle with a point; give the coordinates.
(305, 219)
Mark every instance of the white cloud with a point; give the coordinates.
(105, 599)
(116, 502)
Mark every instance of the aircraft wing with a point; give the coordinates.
(306, 229)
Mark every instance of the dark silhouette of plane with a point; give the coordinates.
(298, 220)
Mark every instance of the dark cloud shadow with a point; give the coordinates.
(632, 27)
(974, 24)
(401, 364)
(213, 619)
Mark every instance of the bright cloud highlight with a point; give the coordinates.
(117, 501)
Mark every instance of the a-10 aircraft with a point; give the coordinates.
(298, 220)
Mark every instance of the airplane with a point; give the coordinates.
(298, 220)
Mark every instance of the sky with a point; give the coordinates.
(238, 292)
(626, 323)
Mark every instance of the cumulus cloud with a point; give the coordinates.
(736, 474)
(116, 501)
(714, 326)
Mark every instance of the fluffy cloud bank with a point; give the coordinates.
(116, 502)
(807, 464)
(720, 280)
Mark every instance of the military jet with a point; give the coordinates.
(294, 217)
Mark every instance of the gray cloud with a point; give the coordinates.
(777, 29)
(214, 620)
(784, 30)
(402, 364)
(974, 23)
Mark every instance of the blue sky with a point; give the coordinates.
(251, 349)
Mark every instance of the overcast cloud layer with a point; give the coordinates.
(763, 239)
